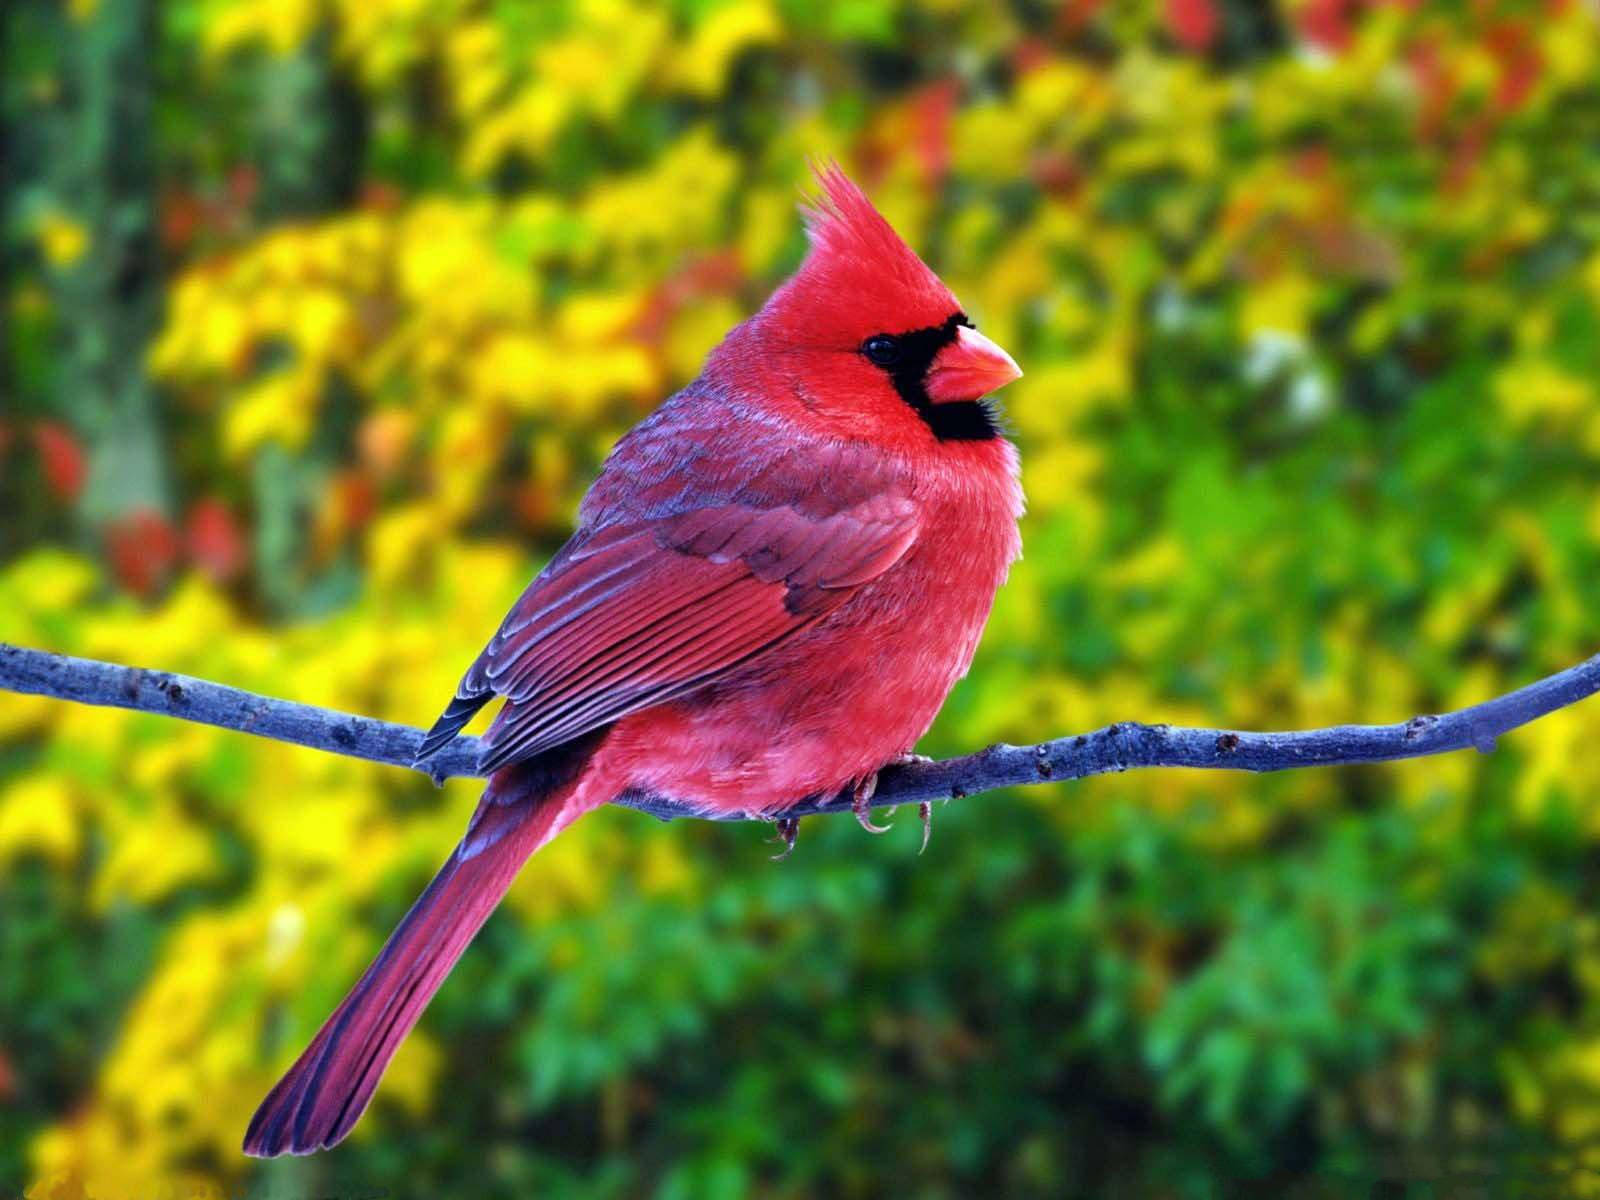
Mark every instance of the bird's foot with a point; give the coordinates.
(788, 831)
(924, 809)
(861, 802)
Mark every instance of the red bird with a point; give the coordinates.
(774, 583)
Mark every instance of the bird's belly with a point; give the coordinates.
(833, 703)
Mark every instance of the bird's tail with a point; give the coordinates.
(321, 1097)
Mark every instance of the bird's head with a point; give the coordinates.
(867, 333)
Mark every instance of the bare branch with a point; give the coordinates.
(1120, 747)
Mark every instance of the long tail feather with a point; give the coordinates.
(324, 1093)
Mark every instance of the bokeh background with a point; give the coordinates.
(319, 314)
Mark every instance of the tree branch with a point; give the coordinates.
(1118, 747)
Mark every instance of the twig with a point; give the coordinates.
(1120, 747)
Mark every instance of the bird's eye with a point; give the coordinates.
(881, 349)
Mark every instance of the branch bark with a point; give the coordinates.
(1120, 747)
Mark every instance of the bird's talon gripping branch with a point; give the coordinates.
(861, 803)
(788, 830)
(925, 812)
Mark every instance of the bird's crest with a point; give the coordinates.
(857, 258)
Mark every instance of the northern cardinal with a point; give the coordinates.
(774, 583)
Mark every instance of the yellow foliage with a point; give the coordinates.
(279, 408)
(672, 207)
(39, 815)
(701, 66)
(153, 853)
(281, 26)
(1279, 305)
(1536, 390)
(695, 330)
(62, 239)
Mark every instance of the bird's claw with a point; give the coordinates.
(925, 812)
(861, 803)
(788, 831)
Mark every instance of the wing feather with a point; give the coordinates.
(539, 659)
(678, 669)
(642, 611)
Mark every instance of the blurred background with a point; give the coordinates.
(319, 314)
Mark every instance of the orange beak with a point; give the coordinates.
(969, 368)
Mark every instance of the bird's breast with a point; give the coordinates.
(855, 689)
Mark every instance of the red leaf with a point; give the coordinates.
(1467, 153)
(1519, 60)
(1312, 162)
(713, 275)
(358, 498)
(182, 217)
(931, 111)
(533, 505)
(1327, 23)
(213, 540)
(1075, 14)
(243, 185)
(143, 548)
(1192, 23)
(1056, 172)
(1435, 85)
(64, 463)
(380, 196)
(1029, 55)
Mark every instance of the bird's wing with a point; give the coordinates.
(642, 611)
